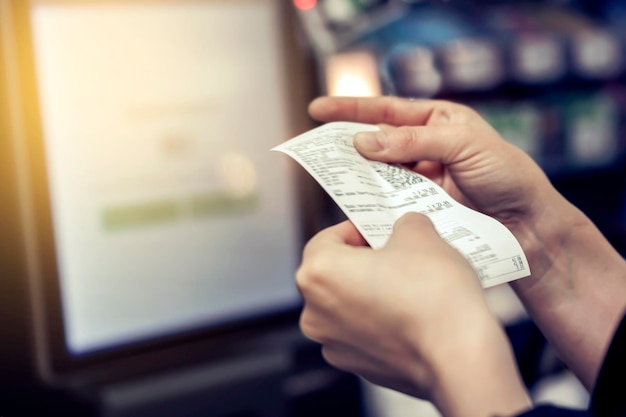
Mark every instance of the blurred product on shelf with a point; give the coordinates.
(520, 123)
(550, 43)
(331, 25)
(535, 55)
(413, 70)
(594, 51)
(591, 129)
(471, 65)
(565, 131)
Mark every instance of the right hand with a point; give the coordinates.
(451, 144)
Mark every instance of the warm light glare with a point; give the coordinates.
(352, 74)
(304, 4)
(352, 85)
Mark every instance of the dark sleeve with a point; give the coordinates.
(609, 396)
(551, 411)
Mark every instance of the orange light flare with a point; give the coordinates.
(353, 73)
(304, 5)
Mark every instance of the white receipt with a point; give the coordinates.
(373, 195)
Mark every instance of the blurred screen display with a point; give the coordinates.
(170, 213)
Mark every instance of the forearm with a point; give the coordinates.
(577, 291)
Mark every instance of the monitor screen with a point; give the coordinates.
(168, 211)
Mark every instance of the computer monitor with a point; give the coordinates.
(149, 209)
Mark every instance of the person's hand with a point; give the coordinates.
(451, 144)
(410, 316)
(577, 291)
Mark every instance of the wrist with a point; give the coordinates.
(478, 375)
(544, 229)
(577, 289)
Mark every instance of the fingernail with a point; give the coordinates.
(370, 141)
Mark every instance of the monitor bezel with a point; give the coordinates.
(55, 365)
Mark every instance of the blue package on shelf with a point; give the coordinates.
(534, 55)
(433, 50)
(594, 50)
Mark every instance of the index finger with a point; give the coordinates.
(390, 110)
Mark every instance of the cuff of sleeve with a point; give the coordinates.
(608, 398)
(552, 411)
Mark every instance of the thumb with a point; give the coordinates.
(445, 144)
(413, 230)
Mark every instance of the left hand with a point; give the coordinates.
(410, 316)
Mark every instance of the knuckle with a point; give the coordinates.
(311, 272)
(441, 115)
(330, 355)
(391, 109)
(306, 323)
(311, 328)
(303, 280)
(301, 276)
(447, 112)
(463, 113)
(338, 357)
